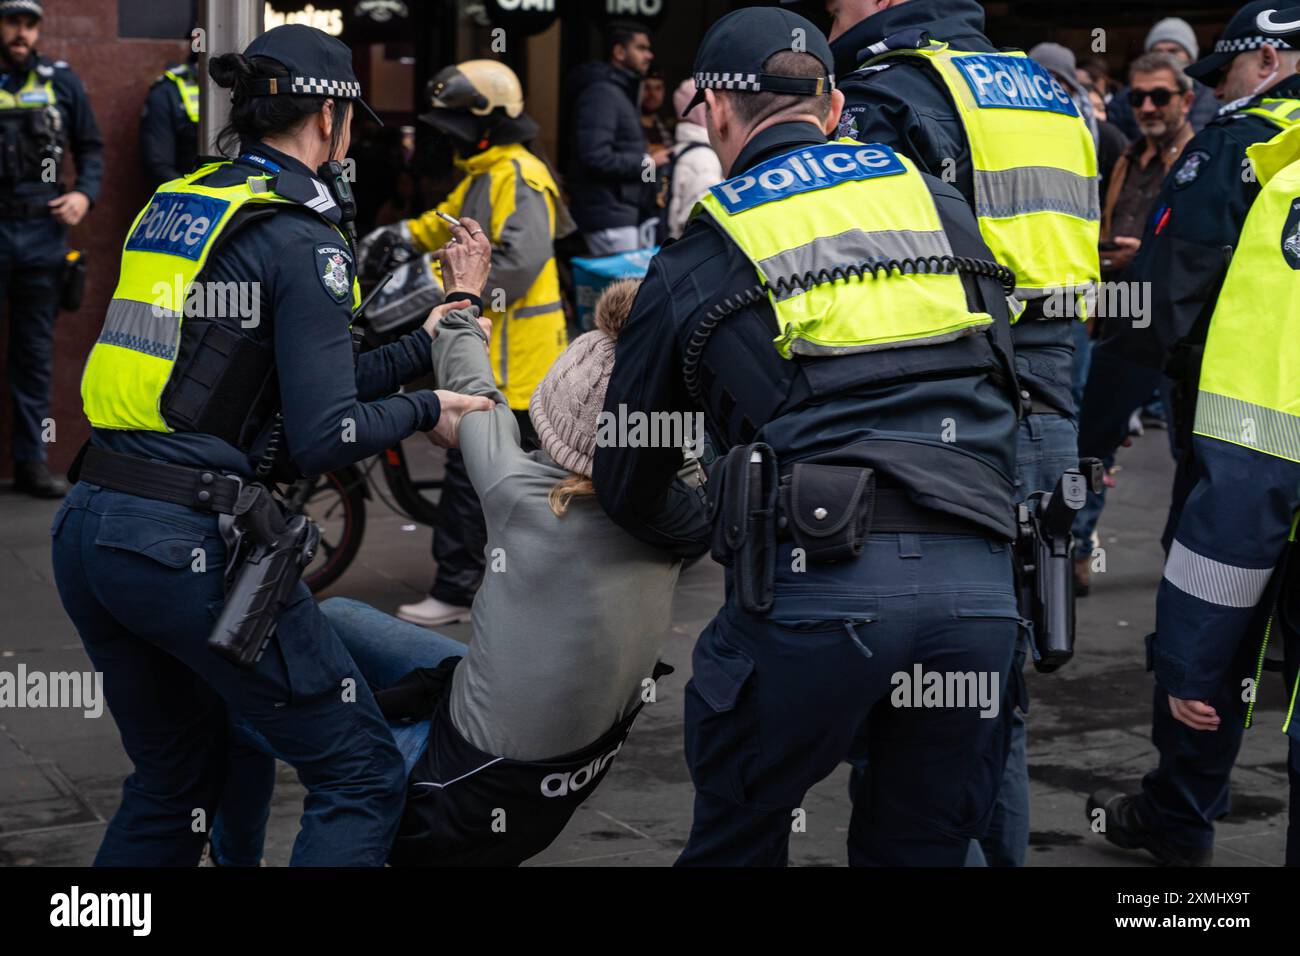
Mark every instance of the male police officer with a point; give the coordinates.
(43, 109)
(1230, 536)
(1009, 138)
(868, 389)
(169, 124)
(1187, 245)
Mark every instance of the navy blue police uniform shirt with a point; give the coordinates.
(701, 269)
(1194, 225)
(904, 103)
(168, 137)
(83, 137)
(335, 412)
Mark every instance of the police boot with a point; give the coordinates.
(1122, 825)
(34, 478)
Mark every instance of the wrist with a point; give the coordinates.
(474, 300)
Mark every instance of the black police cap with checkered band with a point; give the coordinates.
(733, 51)
(316, 64)
(1243, 33)
(10, 8)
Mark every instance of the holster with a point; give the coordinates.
(742, 493)
(72, 281)
(826, 510)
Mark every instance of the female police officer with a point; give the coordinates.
(227, 337)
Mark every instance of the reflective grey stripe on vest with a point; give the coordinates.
(142, 327)
(852, 248)
(1214, 582)
(1252, 426)
(1029, 189)
(532, 310)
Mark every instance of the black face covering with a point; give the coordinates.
(472, 134)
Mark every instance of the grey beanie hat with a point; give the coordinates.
(565, 408)
(1176, 30)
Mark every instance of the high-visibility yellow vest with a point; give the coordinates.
(183, 77)
(528, 334)
(800, 216)
(1250, 376)
(1035, 167)
(165, 251)
(34, 94)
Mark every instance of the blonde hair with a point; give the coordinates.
(566, 489)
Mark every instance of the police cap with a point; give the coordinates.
(317, 64)
(1247, 30)
(9, 8)
(732, 54)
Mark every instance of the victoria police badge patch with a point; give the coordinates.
(1291, 236)
(334, 268)
(1190, 168)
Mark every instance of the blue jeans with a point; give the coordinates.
(1045, 447)
(128, 575)
(386, 650)
(778, 700)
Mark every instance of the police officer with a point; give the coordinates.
(226, 359)
(865, 399)
(921, 76)
(479, 106)
(1234, 492)
(1186, 248)
(43, 111)
(169, 124)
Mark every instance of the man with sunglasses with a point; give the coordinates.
(1195, 226)
(1161, 96)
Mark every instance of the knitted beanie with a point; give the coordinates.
(565, 409)
(1175, 30)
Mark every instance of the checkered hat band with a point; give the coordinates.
(1242, 44)
(311, 86)
(728, 81)
(9, 7)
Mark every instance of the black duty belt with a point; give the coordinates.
(893, 512)
(198, 488)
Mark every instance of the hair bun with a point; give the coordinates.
(615, 305)
(228, 69)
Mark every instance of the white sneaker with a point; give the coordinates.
(431, 612)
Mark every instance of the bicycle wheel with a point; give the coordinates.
(337, 503)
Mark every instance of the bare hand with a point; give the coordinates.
(660, 155)
(70, 208)
(431, 323)
(467, 259)
(1197, 714)
(454, 407)
(1118, 259)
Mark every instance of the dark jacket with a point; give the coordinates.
(1195, 224)
(906, 106)
(335, 413)
(83, 136)
(882, 409)
(169, 141)
(608, 154)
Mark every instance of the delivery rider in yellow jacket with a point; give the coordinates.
(479, 104)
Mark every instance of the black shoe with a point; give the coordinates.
(34, 478)
(1125, 828)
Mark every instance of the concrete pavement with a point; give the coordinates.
(61, 772)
